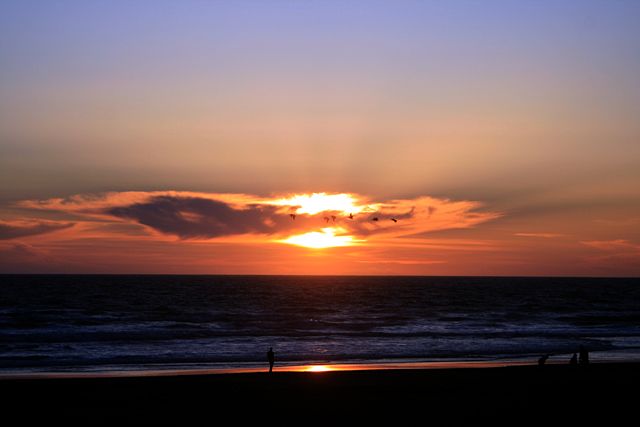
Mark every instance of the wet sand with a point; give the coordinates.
(513, 395)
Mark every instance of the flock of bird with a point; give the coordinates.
(333, 218)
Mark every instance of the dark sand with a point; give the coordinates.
(606, 394)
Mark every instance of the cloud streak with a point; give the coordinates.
(29, 227)
(612, 245)
(540, 235)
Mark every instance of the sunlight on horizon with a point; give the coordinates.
(315, 203)
(326, 238)
(318, 368)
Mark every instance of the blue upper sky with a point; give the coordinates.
(176, 94)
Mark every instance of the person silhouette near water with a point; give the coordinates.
(574, 360)
(584, 356)
(271, 358)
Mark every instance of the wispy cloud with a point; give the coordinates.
(612, 245)
(614, 255)
(402, 261)
(20, 249)
(620, 222)
(29, 227)
(540, 235)
(21, 257)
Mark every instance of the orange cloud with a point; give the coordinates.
(282, 218)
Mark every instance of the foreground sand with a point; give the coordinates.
(517, 395)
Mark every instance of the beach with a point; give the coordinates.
(605, 393)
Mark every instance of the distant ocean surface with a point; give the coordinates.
(106, 323)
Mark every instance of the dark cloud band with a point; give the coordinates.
(199, 218)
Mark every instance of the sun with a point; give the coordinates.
(318, 368)
(315, 203)
(326, 238)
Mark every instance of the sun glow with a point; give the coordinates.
(312, 204)
(327, 238)
(318, 368)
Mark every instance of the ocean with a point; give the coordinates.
(95, 323)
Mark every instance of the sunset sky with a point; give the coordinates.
(320, 137)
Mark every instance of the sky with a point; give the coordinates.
(320, 137)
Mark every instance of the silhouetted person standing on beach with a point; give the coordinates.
(543, 360)
(584, 356)
(271, 358)
(574, 360)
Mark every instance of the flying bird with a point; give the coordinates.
(394, 220)
(350, 216)
(333, 217)
(326, 218)
(293, 216)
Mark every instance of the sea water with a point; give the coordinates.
(80, 323)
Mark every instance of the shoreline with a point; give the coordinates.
(151, 370)
(295, 368)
